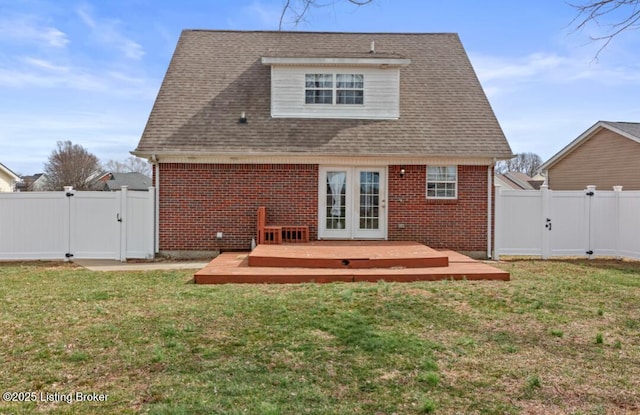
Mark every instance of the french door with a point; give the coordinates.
(352, 203)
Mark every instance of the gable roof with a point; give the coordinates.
(9, 172)
(214, 76)
(630, 130)
(519, 181)
(114, 181)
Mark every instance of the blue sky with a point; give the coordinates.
(88, 71)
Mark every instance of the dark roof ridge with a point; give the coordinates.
(319, 32)
(621, 122)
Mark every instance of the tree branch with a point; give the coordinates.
(300, 8)
(596, 11)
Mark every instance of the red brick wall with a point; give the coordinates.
(198, 200)
(459, 224)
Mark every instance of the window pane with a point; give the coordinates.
(350, 81)
(350, 97)
(318, 96)
(319, 81)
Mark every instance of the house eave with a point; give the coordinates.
(335, 159)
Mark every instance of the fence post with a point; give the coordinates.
(618, 192)
(590, 192)
(150, 216)
(68, 190)
(498, 225)
(544, 192)
(122, 222)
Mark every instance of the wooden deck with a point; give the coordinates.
(353, 254)
(346, 261)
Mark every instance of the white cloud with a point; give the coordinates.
(44, 64)
(501, 75)
(108, 32)
(38, 73)
(108, 135)
(29, 29)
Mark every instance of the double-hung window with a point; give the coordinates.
(318, 89)
(334, 89)
(442, 182)
(350, 89)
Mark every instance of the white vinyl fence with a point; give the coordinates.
(549, 223)
(74, 224)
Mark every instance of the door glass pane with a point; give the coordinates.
(336, 200)
(369, 200)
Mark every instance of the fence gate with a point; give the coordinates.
(94, 226)
(567, 223)
(70, 224)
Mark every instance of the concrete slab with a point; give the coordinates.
(109, 265)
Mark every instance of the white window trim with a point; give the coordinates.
(441, 181)
(334, 88)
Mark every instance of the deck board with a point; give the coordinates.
(348, 254)
(234, 267)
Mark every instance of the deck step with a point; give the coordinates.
(338, 254)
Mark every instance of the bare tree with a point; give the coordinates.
(131, 164)
(605, 13)
(526, 163)
(71, 165)
(297, 9)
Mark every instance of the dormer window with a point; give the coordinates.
(334, 89)
(318, 89)
(350, 89)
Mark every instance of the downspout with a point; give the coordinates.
(490, 208)
(156, 165)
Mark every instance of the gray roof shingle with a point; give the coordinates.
(214, 76)
(631, 128)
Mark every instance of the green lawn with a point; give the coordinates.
(560, 338)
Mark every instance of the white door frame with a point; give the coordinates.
(352, 204)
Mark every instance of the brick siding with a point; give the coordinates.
(459, 224)
(199, 200)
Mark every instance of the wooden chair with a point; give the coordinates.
(274, 235)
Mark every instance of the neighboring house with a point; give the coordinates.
(8, 179)
(114, 181)
(606, 155)
(515, 180)
(355, 135)
(34, 183)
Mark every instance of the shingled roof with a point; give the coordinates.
(214, 76)
(631, 130)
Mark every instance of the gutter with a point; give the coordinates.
(156, 164)
(490, 209)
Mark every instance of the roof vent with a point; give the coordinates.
(373, 47)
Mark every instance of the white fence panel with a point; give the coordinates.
(571, 223)
(521, 233)
(59, 225)
(629, 224)
(34, 225)
(568, 235)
